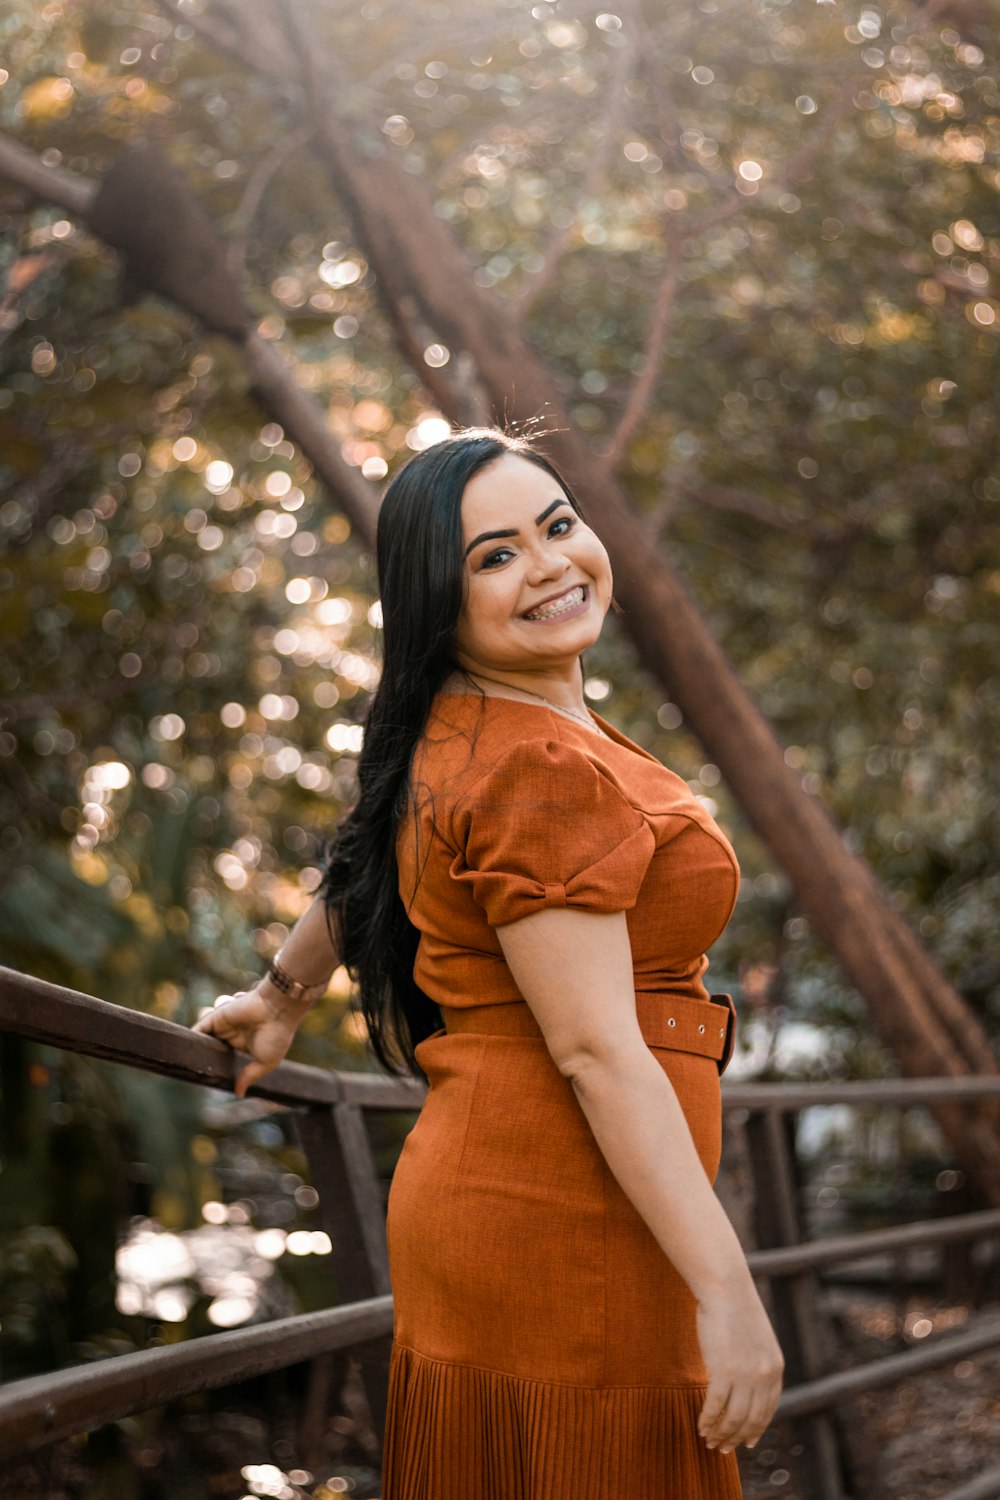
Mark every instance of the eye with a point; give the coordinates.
(491, 557)
(568, 521)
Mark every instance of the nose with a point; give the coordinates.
(547, 561)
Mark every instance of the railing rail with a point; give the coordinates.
(329, 1108)
(766, 1113)
(65, 1018)
(45, 1408)
(837, 1249)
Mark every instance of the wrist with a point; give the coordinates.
(285, 994)
(724, 1283)
(281, 1006)
(290, 984)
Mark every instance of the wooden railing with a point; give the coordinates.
(330, 1110)
(812, 1392)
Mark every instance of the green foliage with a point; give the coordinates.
(34, 1265)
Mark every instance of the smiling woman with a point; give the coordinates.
(533, 605)
(525, 898)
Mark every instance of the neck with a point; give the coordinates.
(564, 690)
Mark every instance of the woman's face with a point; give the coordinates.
(537, 579)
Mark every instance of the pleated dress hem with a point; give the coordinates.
(462, 1432)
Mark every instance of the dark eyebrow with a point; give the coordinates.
(489, 536)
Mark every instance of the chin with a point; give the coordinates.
(576, 637)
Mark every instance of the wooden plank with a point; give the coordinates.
(788, 1260)
(45, 1408)
(983, 1487)
(352, 1212)
(61, 1017)
(379, 1091)
(930, 1354)
(771, 1145)
(910, 1091)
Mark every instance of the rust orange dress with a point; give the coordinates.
(544, 1346)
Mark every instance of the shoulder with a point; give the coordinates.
(543, 761)
(473, 746)
(544, 824)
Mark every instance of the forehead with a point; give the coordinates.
(509, 492)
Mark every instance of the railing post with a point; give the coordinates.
(336, 1144)
(770, 1136)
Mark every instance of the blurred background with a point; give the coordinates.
(756, 246)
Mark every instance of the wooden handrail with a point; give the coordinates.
(783, 1097)
(45, 1408)
(983, 1487)
(830, 1390)
(790, 1260)
(61, 1017)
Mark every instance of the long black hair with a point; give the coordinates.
(421, 587)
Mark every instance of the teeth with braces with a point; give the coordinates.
(569, 601)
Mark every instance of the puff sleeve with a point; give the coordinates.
(546, 826)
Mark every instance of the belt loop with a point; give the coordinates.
(729, 1045)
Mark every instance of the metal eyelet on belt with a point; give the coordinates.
(701, 1028)
(671, 1021)
(722, 1031)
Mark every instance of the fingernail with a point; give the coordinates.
(727, 1450)
(711, 1445)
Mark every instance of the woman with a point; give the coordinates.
(573, 1311)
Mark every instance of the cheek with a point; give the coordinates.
(479, 611)
(599, 564)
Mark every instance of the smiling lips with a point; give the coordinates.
(563, 605)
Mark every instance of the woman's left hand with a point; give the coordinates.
(251, 1022)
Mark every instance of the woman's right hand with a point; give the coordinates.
(252, 1022)
(745, 1367)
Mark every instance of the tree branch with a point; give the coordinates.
(791, 171)
(644, 386)
(304, 420)
(179, 256)
(460, 391)
(740, 502)
(558, 244)
(253, 194)
(231, 40)
(51, 184)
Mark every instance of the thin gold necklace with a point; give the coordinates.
(558, 707)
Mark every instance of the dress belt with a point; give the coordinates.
(679, 1023)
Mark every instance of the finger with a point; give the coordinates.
(713, 1409)
(731, 1426)
(758, 1418)
(250, 1075)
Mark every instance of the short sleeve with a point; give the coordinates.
(548, 827)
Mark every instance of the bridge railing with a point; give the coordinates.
(792, 1266)
(330, 1110)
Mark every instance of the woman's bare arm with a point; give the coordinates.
(308, 953)
(574, 969)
